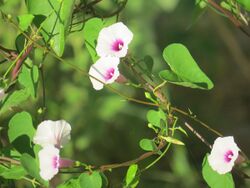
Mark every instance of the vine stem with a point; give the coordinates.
(20, 61)
(158, 158)
(233, 19)
(197, 120)
(128, 163)
(107, 167)
(197, 134)
(225, 12)
(18, 58)
(9, 160)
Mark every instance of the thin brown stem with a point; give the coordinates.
(196, 119)
(128, 163)
(19, 62)
(9, 160)
(198, 135)
(8, 54)
(225, 12)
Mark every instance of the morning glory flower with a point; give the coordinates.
(56, 133)
(50, 162)
(2, 94)
(105, 70)
(223, 154)
(114, 40)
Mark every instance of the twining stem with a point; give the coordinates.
(9, 160)
(20, 61)
(197, 134)
(8, 53)
(196, 119)
(225, 12)
(158, 158)
(229, 15)
(128, 163)
(20, 56)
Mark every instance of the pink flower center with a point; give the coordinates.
(117, 45)
(55, 162)
(109, 74)
(228, 156)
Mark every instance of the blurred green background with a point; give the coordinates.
(106, 128)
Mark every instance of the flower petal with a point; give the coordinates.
(55, 133)
(105, 70)
(223, 154)
(48, 162)
(114, 40)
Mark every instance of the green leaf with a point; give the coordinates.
(32, 168)
(245, 4)
(93, 180)
(29, 78)
(21, 132)
(155, 117)
(184, 69)
(172, 140)
(25, 20)
(20, 124)
(91, 31)
(56, 25)
(131, 179)
(201, 3)
(214, 179)
(180, 129)
(147, 145)
(71, 183)
(15, 172)
(14, 99)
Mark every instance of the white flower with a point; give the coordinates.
(114, 40)
(2, 94)
(223, 154)
(56, 133)
(50, 162)
(105, 70)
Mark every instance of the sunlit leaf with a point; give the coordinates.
(172, 140)
(214, 179)
(245, 4)
(16, 98)
(20, 124)
(32, 168)
(25, 20)
(71, 183)
(21, 132)
(29, 78)
(91, 31)
(154, 117)
(93, 180)
(15, 172)
(132, 180)
(56, 25)
(184, 70)
(147, 145)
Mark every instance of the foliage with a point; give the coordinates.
(44, 75)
